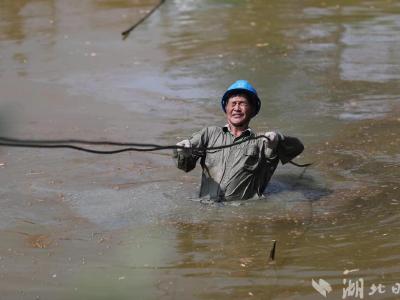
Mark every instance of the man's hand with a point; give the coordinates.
(273, 140)
(187, 150)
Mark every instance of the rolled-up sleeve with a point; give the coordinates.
(288, 148)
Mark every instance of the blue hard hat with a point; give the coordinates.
(242, 86)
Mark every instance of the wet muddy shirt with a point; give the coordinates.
(239, 172)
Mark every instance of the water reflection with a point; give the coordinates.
(21, 21)
(231, 256)
(12, 21)
(362, 41)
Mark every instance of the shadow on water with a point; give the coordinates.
(289, 197)
(307, 186)
(3, 128)
(7, 117)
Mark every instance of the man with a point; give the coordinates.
(244, 170)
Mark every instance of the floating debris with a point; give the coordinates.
(260, 45)
(246, 260)
(345, 272)
(40, 241)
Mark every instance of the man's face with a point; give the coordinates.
(238, 110)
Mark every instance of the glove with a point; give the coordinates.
(273, 140)
(187, 151)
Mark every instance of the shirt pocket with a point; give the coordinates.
(212, 159)
(251, 158)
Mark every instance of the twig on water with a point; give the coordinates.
(272, 252)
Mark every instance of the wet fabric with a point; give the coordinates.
(238, 172)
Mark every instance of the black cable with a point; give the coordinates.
(76, 141)
(126, 33)
(28, 145)
(12, 142)
(141, 147)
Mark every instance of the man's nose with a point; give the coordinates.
(237, 106)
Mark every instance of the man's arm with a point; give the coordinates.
(184, 158)
(284, 147)
(288, 148)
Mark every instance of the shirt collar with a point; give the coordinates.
(248, 131)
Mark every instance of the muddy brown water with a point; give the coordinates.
(129, 226)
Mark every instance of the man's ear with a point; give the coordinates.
(253, 110)
(226, 105)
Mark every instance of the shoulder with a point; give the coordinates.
(211, 131)
(206, 134)
(214, 129)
